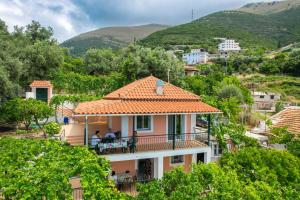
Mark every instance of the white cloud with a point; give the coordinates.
(64, 17)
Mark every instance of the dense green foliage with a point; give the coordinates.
(250, 30)
(26, 54)
(247, 174)
(103, 70)
(224, 92)
(281, 135)
(52, 128)
(26, 111)
(39, 168)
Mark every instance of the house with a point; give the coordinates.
(229, 45)
(220, 55)
(289, 118)
(40, 90)
(157, 117)
(196, 56)
(264, 100)
(190, 70)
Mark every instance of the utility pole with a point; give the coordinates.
(192, 14)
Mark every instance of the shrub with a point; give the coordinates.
(52, 128)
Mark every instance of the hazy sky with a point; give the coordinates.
(71, 17)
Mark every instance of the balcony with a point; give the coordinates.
(156, 142)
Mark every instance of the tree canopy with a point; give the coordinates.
(38, 168)
(250, 173)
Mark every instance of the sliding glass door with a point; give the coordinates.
(176, 126)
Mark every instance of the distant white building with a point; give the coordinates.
(229, 45)
(196, 56)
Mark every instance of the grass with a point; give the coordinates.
(287, 86)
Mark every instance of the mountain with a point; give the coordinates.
(110, 37)
(250, 30)
(265, 8)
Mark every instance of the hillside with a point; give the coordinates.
(110, 37)
(250, 30)
(265, 8)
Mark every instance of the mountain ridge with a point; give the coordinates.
(249, 29)
(110, 37)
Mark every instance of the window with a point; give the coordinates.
(272, 96)
(262, 96)
(143, 123)
(177, 159)
(215, 149)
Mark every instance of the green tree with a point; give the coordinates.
(41, 60)
(292, 65)
(36, 32)
(99, 61)
(42, 168)
(26, 111)
(137, 62)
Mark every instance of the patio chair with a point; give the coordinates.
(118, 135)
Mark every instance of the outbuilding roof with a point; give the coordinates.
(140, 97)
(40, 83)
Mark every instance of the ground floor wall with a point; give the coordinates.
(157, 168)
(186, 165)
(123, 166)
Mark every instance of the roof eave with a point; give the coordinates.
(140, 114)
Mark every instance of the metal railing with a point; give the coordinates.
(153, 142)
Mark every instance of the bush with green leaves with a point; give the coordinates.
(52, 128)
(250, 173)
(42, 168)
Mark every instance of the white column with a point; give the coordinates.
(207, 157)
(193, 122)
(194, 158)
(155, 160)
(124, 126)
(160, 167)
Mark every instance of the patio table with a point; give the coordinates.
(113, 145)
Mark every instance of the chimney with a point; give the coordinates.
(159, 87)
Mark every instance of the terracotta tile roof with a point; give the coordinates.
(190, 68)
(140, 97)
(145, 89)
(40, 84)
(144, 107)
(289, 117)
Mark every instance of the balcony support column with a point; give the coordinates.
(208, 128)
(86, 132)
(160, 167)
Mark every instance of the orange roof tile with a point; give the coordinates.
(140, 97)
(289, 117)
(144, 107)
(145, 89)
(40, 84)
